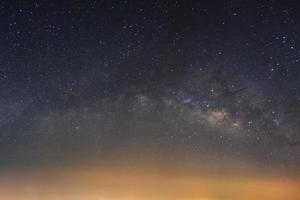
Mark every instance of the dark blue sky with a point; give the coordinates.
(222, 64)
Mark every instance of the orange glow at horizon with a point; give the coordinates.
(96, 183)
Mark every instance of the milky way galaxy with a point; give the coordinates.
(184, 100)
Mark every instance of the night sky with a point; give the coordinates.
(185, 86)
